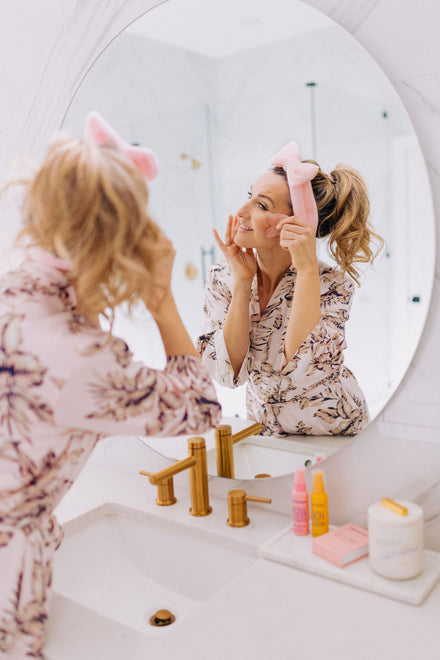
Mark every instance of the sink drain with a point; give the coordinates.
(162, 618)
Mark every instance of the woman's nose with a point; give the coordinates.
(244, 210)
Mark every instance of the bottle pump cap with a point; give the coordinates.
(318, 483)
(300, 482)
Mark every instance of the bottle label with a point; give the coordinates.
(300, 514)
(319, 519)
(300, 519)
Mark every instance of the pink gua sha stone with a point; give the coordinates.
(274, 219)
(99, 131)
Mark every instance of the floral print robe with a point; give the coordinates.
(314, 393)
(63, 385)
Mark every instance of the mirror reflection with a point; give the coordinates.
(275, 314)
(214, 110)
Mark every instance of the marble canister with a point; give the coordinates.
(396, 541)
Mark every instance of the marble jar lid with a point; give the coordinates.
(381, 514)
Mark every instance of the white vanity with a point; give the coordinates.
(232, 595)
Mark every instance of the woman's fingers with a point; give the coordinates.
(218, 239)
(301, 245)
(294, 221)
(296, 239)
(293, 239)
(274, 220)
(289, 230)
(223, 247)
(234, 227)
(229, 233)
(292, 231)
(278, 221)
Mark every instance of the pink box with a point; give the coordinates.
(342, 546)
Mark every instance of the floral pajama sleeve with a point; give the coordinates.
(64, 384)
(314, 393)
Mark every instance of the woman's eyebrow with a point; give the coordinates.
(266, 197)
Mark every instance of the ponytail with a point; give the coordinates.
(343, 216)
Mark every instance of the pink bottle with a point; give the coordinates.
(300, 504)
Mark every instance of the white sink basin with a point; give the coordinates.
(271, 456)
(126, 565)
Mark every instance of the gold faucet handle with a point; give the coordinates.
(253, 429)
(237, 506)
(165, 490)
(267, 500)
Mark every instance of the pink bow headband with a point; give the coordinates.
(100, 132)
(299, 176)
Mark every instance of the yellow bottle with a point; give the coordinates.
(319, 506)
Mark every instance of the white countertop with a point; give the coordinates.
(269, 611)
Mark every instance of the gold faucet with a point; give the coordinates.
(224, 441)
(198, 479)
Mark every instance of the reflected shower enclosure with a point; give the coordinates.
(214, 121)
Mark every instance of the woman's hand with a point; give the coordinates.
(299, 238)
(242, 262)
(243, 268)
(159, 300)
(159, 290)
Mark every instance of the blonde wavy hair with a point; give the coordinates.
(343, 215)
(87, 203)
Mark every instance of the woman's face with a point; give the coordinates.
(268, 195)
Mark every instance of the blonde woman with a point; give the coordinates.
(275, 314)
(64, 382)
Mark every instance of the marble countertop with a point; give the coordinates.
(269, 610)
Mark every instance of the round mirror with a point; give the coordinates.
(215, 88)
